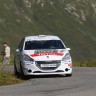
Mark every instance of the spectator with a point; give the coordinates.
(6, 53)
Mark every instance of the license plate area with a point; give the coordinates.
(48, 65)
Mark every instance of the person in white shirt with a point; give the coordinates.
(6, 53)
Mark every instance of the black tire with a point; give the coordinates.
(22, 73)
(15, 69)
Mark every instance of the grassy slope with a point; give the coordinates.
(7, 78)
(17, 20)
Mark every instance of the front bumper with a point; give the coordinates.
(62, 68)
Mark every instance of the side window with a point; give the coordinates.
(21, 45)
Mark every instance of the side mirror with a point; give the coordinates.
(17, 50)
(68, 49)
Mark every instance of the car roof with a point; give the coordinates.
(41, 37)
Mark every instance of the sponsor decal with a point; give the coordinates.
(47, 53)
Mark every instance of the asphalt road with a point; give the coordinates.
(82, 83)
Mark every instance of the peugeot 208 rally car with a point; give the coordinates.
(42, 55)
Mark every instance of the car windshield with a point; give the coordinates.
(44, 44)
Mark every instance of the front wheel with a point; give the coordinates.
(21, 72)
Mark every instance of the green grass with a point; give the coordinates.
(7, 78)
(91, 63)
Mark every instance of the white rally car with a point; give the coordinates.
(42, 55)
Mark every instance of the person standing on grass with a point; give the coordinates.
(6, 53)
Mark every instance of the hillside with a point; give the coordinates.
(74, 21)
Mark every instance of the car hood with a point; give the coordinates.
(42, 55)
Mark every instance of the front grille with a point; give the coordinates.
(51, 65)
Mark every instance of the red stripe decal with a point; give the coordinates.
(47, 53)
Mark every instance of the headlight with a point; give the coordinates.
(66, 57)
(27, 58)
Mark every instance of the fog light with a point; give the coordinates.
(29, 70)
(66, 69)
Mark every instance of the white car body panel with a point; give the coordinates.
(45, 61)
